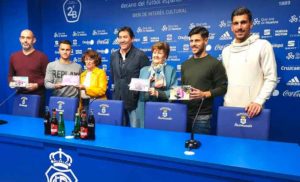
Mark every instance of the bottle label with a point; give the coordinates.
(53, 129)
(83, 132)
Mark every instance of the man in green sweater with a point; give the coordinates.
(208, 79)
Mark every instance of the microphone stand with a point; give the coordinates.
(192, 143)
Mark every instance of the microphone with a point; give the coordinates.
(192, 143)
(10, 96)
(4, 101)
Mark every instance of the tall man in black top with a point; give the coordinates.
(207, 77)
(125, 64)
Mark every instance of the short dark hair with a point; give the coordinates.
(199, 30)
(93, 55)
(162, 46)
(127, 29)
(242, 11)
(65, 42)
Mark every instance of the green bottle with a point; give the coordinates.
(76, 131)
(61, 125)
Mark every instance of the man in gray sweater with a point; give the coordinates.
(57, 69)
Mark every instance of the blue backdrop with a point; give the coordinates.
(93, 24)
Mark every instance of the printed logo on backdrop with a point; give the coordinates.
(291, 44)
(145, 29)
(164, 115)
(242, 123)
(23, 102)
(226, 36)
(60, 105)
(293, 82)
(293, 94)
(265, 21)
(294, 19)
(72, 10)
(59, 170)
(224, 23)
(99, 32)
(59, 34)
(293, 56)
(290, 68)
(103, 110)
(193, 25)
(167, 28)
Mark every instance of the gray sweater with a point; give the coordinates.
(54, 73)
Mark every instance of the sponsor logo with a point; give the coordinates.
(74, 42)
(154, 39)
(60, 168)
(267, 32)
(293, 82)
(88, 42)
(277, 45)
(113, 50)
(294, 19)
(208, 47)
(56, 52)
(79, 34)
(173, 58)
(219, 57)
(102, 41)
(185, 47)
(291, 43)
(293, 56)
(224, 23)
(137, 40)
(78, 51)
(165, 113)
(166, 28)
(220, 47)
(183, 37)
(294, 94)
(99, 32)
(169, 37)
(256, 21)
(104, 67)
(298, 30)
(178, 67)
(115, 42)
(144, 29)
(76, 60)
(290, 68)
(192, 25)
(283, 32)
(211, 36)
(275, 93)
(173, 48)
(59, 34)
(103, 51)
(226, 36)
(72, 10)
(56, 42)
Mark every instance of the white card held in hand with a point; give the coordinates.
(139, 84)
(70, 80)
(19, 81)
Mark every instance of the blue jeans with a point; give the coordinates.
(130, 118)
(202, 124)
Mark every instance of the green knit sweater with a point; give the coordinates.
(205, 73)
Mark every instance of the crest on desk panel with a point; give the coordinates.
(60, 168)
(165, 113)
(60, 105)
(23, 102)
(243, 121)
(103, 110)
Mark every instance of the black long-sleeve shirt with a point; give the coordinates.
(206, 74)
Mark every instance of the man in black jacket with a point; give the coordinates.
(125, 64)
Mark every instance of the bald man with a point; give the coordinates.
(31, 63)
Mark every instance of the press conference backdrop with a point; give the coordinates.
(93, 24)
